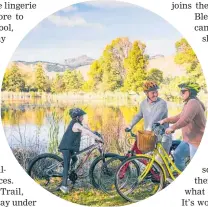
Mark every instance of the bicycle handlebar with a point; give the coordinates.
(99, 141)
(132, 134)
(155, 125)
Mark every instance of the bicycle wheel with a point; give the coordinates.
(95, 169)
(108, 172)
(133, 189)
(46, 169)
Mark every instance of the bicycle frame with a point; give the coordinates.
(83, 160)
(159, 150)
(90, 149)
(125, 167)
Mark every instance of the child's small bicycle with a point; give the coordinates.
(47, 169)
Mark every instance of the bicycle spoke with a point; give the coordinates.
(107, 175)
(136, 188)
(47, 171)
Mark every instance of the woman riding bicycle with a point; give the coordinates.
(70, 142)
(192, 120)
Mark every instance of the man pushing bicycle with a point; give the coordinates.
(152, 110)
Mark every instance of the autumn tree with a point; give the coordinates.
(40, 78)
(108, 72)
(112, 75)
(57, 85)
(80, 80)
(13, 80)
(95, 76)
(186, 56)
(155, 74)
(184, 52)
(135, 65)
(73, 80)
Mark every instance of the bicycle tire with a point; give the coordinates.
(96, 165)
(38, 167)
(136, 191)
(108, 172)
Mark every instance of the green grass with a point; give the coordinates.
(92, 197)
(89, 196)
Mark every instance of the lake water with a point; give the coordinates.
(37, 125)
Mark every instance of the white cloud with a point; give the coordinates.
(69, 9)
(109, 4)
(72, 21)
(66, 21)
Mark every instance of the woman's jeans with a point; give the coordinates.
(193, 150)
(181, 154)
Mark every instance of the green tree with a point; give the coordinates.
(13, 80)
(80, 80)
(48, 84)
(40, 78)
(135, 65)
(95, 76)
(67, 79)
(170, 90)
(184, 52)
(185, 55)
(5, 80)
(57, 85)
(155, 75)
(112, 76)
(108, 73)
(73, 80)
(195, 73)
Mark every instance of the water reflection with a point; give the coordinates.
(25, 123)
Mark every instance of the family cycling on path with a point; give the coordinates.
(154, 111)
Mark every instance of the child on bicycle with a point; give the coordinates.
(70, 142)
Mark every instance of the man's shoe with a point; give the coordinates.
(64, 189)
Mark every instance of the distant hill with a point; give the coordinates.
(79, 61)
(167, 65)
(156, 56)
(48, 66)
(82, 63)
(70, 63)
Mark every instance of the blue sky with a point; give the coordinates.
(86, 28)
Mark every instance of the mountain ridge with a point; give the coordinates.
(70, 63)
(164, 63)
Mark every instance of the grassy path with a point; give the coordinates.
(92, 197)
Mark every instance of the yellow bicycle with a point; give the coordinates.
(156, 170)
